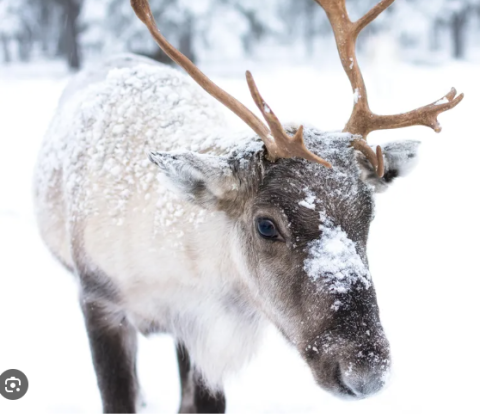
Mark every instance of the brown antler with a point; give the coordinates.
(278, 143)
(363, 120)
(284, 146)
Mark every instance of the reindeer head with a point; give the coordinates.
(300, 224)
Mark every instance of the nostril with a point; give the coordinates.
(344, 388)
(362, 384)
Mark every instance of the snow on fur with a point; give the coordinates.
(120, 116)
(334, 259)
(309, 201)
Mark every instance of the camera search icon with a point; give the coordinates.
(13, 384)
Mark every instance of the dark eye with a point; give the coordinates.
(267, 229)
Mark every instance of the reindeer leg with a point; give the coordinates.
(113, 344)
(196, 398)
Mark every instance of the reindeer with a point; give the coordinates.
(220, 233)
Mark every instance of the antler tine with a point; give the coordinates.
(277, 142)
(144, 13)
(281, 145)
(362, 120)
(370, 16)
(346, 33)
(376, 159)
(424, 116)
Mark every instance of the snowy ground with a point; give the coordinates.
(423, 253)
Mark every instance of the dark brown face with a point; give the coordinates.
(306, 232)
(302, 232)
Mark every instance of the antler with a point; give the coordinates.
(285, 146)
(363, 120)
(278, 143)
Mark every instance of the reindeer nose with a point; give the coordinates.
(366, 373)
(363, 384)
(352, 368)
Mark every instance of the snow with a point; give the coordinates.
(334, 259)
(356, 95)
(423, 254)
(309, 201)
(441, 101)
(132, 103)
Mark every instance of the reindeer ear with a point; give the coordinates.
(400, 158)
(202, 179)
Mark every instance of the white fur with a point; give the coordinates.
(101, 202)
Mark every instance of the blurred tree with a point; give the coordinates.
(452, 15)
(69, 41)
(458, 13)
(18, 22)
(260, 20)
(458, 23)
(10, 18)
(305, 21)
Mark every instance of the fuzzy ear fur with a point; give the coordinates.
(400, 158)
(204, 180)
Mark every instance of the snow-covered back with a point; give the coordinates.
(109, 122)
